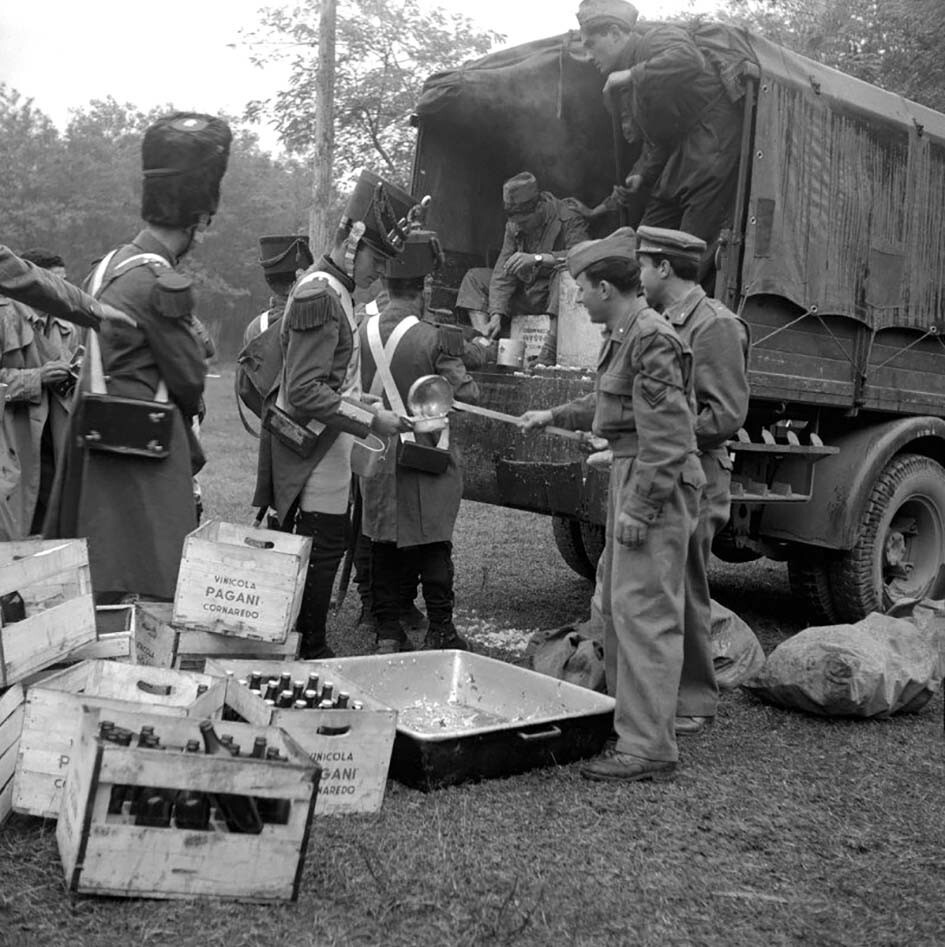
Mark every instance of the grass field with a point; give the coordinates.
(781, 829)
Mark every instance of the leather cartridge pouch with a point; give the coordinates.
(299, 438)
(414, 456)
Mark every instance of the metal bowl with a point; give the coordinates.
(430, 396)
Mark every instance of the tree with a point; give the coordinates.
(896, 44)
(385, 51)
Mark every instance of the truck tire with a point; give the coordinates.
(567, 533)
(810, 585)
(901, 544)
(724, 548)
(593, 538)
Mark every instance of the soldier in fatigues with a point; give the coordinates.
(137, 511)
(321, 391)
(409, 512)
(672, 103)
(641, 404)
(669, 265)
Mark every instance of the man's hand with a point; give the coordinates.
(621, 79)
(111, 314)
(631, 531)
(494, 326)
(600, 459)
(534, 420)
(518, 264)
(53, 372)
(387, 423)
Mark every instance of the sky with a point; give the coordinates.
(190, 53)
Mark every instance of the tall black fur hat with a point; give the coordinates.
(183, 157)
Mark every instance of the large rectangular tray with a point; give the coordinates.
(462, 716)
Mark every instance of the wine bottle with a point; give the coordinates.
(239, 812)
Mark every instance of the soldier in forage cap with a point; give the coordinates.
(540, 229)
(671, 103)
(136, 511)
(641, 404)
(283, 258)
(321, 391)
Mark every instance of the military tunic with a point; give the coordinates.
(136, 511)
(641, 405)
(719, 343)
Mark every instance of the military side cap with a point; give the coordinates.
(520, 193)
(658, 241)
(172, 295)
(284, 254)
(383, 208)
(600, 12)
(422, 254)
(183, 160)
(618, 246)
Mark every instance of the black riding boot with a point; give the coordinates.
(329, 532)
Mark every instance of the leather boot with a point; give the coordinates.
(441, 637)
(329, 532)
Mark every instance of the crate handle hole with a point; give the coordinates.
(332, 731)
(259, 543)
(158, 690)
(550, 734)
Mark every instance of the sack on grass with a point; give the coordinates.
(878, 667)
(737, 654)
(568, 655)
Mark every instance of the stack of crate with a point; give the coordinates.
(238, 596)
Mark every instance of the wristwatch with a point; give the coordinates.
(539, 258)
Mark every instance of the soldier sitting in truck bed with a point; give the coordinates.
(541, 228)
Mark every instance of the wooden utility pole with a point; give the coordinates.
(321, 225)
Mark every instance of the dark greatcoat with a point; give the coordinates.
(404, 506)
(317, 343)
(135, 511)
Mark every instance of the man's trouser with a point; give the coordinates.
(329, 532)
(393, 567)
(643, 607)
(698, 690)
(530, 299)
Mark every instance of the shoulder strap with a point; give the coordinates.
(400, 330)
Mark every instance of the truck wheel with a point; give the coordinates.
(593, 538)
(810, 585)
(724, 548)
(567, 533)
(901, 545)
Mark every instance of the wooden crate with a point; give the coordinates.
(11, 724)
(161, 643)
(53, 578)
(108, 855)
(353, 747)
(53, 709)
(237, 580)
(115, 636)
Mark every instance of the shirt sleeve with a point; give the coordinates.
(664, 425)
(26, 283)
(576, 415)
(720, 380)
(503, 285)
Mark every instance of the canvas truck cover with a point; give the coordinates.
(846, 192)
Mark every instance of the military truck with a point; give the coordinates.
(836, 260)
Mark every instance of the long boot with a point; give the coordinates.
(329, 532)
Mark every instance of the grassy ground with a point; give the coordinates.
(781, 829)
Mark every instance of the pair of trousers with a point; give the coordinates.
(329, 532)
(391, 566)
(643, 608)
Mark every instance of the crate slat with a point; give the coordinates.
(11, 725)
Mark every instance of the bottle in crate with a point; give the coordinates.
(192, 809)
(239, 812)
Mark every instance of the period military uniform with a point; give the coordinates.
(677, 109)
(409, 514)
(641, 405)
(136, 511)
(281, 257)
(719, 342)
(321, 388)
(539, 223)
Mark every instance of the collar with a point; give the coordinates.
(628, 57)
(619, 332)
(148, 243)
(679, 312)
(327, 265)
(398, 309)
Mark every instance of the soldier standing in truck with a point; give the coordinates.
(672, 104)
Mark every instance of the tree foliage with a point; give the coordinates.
(896, 44)
(385, 51)
(78, 193)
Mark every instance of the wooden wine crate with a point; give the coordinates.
(53, 709)
(11, 724)
(237, 580)
(107, 854)
(115, 636)
(53, 578)
(353, 747)
(161, 643)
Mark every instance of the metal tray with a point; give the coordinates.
(463, 716)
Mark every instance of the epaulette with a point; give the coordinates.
(450, 339)
(172, 295)
(312, 305)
